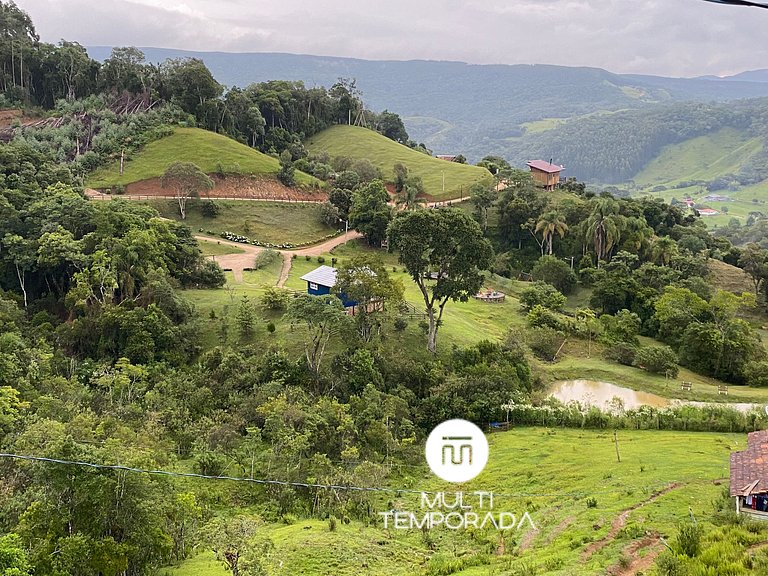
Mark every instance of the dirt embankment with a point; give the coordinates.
(9, 116)
(245, 187)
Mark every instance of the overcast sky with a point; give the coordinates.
(665, 37)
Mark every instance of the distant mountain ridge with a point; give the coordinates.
(454, 107)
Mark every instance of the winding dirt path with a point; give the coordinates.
(637, 564)
(238, 262)
(621, 521)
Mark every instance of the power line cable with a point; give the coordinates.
(122, 468)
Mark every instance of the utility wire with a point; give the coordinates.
(740, 3)
(122, 468)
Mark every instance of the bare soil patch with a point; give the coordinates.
(621, 521)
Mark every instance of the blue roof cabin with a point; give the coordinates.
(321, 280)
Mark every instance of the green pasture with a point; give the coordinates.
(210, 151)
(359, 143)
(272, 222)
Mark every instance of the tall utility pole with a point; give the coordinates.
(616, 441)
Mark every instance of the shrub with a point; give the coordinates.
(320, 260)
(401, 323)
(542, 294)
(275, 298)
(540, 316)
(622, 352)
(624, 326)
(210, 463)
(756, 374)
(657, 359)
(544, 342)
(589, 276)
(591, 502)
(330, 215)
(689, 540)
(332, 523)
(554, 271)
(210, 209)
(265, 258)
(271, 327)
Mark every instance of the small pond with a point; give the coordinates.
(603, 395)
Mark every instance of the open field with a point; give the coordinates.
(208, 150)
(359, 143)
(216, 248)
(702, 158)
(272, 222)
(590, 511)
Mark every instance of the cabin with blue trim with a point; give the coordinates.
(321, 280)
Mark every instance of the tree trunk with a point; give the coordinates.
(182, 206)
(22, 283)
(432, 333)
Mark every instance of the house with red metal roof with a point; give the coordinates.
(545, 174)
(749, 476)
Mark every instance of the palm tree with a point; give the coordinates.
(409, 197)
(550, 224)
(663, 250)
(604, 227)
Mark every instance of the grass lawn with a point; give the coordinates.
(549, 473)
(206, 149)
(359, 143)
(215, 248)
(273, 222)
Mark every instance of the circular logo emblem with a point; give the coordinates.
(457, 451)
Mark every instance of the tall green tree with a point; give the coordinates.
(444, 252)
(370, 214)
(410, 196)
(187, 181)
(549, 224)
(603, 227)
(754, 261)
(366, 281)
(663, 250)
(483, 199)
(320, 315)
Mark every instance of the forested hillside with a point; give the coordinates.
(180, 398)
(474, 110)
(613, 148)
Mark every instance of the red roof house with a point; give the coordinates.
(749, 476)
(545, 174)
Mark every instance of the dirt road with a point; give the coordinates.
(238, 262)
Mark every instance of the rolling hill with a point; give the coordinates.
(442, 180)
(705, 158)
(456, 107)
(210, 151)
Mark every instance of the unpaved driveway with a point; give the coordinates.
(238, 262)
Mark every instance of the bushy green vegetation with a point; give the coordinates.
(358, 143)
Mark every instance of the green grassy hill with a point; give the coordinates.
(703, 158)
(206, 149)
(384, 153)
(591, 511)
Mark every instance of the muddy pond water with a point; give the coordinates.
(603, 395)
